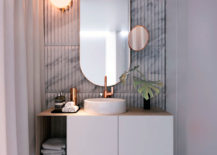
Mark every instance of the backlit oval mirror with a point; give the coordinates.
(138, 38)
(104, 29)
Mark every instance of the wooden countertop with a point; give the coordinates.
(130, 112)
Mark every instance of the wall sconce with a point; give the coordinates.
(62, 4)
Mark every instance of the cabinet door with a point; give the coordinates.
(145, 135)
(92, 135)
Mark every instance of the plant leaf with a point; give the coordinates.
(124, 76)
(148, 89)
(134, 68)
(155, 89)
(150, 92)
(144, 93)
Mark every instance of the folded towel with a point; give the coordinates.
(70, 107)
(70, 104)
(55, 144)
(53, 153)
(44, 151)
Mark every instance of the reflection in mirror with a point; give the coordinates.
(138, 38)
(104, 28)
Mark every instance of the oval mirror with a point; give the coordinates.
(138, 38)
(104, 29)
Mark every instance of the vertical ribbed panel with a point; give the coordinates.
(61, 56)
(58, 26)
(151, 14)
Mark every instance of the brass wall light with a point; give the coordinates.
(62, 4)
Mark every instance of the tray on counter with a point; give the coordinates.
(60, 111)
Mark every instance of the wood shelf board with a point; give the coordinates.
(130, 112)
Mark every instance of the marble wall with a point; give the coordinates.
(61, 53)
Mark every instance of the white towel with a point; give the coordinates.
(70, 104)
(70, 107)
(53, 153)
(44, 151)
(55, 144)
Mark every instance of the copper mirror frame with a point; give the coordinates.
(138, 38)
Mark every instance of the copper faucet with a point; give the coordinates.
(106, 93)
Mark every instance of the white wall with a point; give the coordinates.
(3, 132)
(192, 74)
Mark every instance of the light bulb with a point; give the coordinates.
(61, 3)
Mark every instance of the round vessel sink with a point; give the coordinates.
(107, 106)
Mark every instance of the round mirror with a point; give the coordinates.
(138, 38)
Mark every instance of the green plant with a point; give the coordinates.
(148, 89)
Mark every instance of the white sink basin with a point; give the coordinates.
(107, 106)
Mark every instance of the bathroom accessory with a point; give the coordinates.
(138, 38)
(54, 146)
(59, 105)
(107, 106)
(106, 93)
(104, 50)
(59, 101)
(53, 152)
(60, 98)
(70, 107)
(73, 95)
(60, 111)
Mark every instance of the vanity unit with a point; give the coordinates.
(104, 127)
(136, 132)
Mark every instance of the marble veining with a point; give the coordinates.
(61, 53)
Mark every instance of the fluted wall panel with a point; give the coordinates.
(61, 28)
(61, 53)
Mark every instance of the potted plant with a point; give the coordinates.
(148, 89)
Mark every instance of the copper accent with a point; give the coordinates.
(106, 93)
(73, 95)
(67, 7)
(62, 9)
(129, 38)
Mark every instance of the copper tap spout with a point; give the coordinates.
(106, 93)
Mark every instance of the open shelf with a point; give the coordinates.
(49, 127)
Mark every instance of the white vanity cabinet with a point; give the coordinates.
(92, 135)
(127, 134)
(145, 135)
(136, 132)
